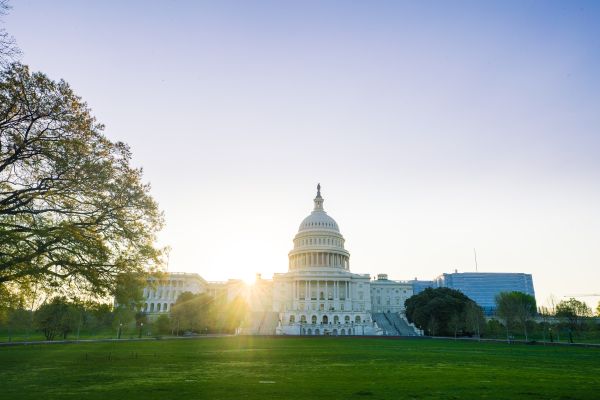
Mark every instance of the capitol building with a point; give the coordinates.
(319, 295)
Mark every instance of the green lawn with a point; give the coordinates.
(298, 368)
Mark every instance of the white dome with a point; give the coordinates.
(318, 220)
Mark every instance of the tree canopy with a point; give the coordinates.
(443, 311)
(8, 45)
(515, 307)
(573, 311)
(56, 317)
(73, 211)
(192, 312)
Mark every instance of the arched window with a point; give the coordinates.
(357, 319)
(336, 319)
(334, 332)
(325, 319)
(309, 332)
(292, 319)
(165, 307)
(342, 332)
(303, 319)
(158, 307)
(316, 332)
(347, 319)
(314, 319)
(145, 307)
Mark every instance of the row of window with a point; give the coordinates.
(335, 332)
(320, 240)
(159, 294)
(325, 319)
(324, 224)
(387, 301)
(156, 307)
(313, 306)
(171, 283)
(388, 290)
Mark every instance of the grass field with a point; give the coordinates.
(298, 368)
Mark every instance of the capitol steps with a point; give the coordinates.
(402, 325)
(383, 322)
(394, 324)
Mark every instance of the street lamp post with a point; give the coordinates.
(141, 326)
(119, 334)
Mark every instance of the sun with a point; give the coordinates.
(248, 278)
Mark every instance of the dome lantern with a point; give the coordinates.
(318, 200)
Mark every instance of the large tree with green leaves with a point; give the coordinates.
(442, 311)
(73, 211)
(515, 307)
(58, 317)
(193, 312)
(573, 312)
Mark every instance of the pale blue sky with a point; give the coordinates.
(434, 127)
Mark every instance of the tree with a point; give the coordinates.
(545, 315)
(573, 311)
(163, 324)
(129, 290)
(598, 309)
(8, 46)
(438, 311)
(455, 323)
(57, 317)
(515, 307)
(73, 212)
(474, 318)
(193, 312)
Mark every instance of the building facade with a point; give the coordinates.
(161, 293)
